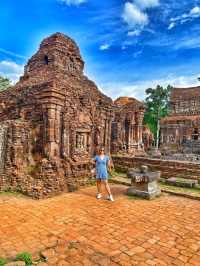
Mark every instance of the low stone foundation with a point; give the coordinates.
(168, 168)
(46, 179)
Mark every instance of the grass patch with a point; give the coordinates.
(190, 191)
(10, 193)
(118, 173)
(3, 262)
(26, 257)
(134, 197)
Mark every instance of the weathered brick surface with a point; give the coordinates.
(168, 168)
(77, 229)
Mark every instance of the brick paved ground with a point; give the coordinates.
(76, 229)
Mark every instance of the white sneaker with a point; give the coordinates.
(110, 197)
(98, 196)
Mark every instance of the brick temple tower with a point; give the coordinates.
(52, 121)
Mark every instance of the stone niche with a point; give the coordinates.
(53, 121)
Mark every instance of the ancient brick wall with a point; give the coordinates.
(168, 168)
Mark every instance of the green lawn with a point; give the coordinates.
(190, 191)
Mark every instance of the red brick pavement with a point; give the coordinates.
(76, 229)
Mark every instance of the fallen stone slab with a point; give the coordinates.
(181, 182)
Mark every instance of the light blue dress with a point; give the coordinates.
(101, 167)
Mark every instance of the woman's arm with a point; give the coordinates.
(93, 160)
(109, 165)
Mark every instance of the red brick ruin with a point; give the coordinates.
(127, 127)
(54, 119)
(180, 131)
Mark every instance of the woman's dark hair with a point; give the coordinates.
(101, 149)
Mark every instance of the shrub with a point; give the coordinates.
(26, 257)
(3, 262)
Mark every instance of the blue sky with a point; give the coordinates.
(127, 46)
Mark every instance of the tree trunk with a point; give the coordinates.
(158, 134)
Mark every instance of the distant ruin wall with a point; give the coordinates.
(168, 168)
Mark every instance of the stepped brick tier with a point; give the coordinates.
(128, 132)
(168, 168)
(180, 131)
(52, 121)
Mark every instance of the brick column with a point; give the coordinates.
(52, 128)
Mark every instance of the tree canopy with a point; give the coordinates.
(157, 103)
(4, 83)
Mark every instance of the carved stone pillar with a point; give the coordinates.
(65, 151)
(52, 124)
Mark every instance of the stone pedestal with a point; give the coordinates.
(144, 183)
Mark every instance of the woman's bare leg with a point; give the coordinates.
(99, 186)
(107, 187)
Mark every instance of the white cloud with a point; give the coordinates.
(4, 51)
(185, 17)
(143, 4)
(73, 2)
(134, 33)
(137, 89)
(133, 16)
(11, 70)
(105, 46)
(187, 43)
(195, 11)
(171, 25)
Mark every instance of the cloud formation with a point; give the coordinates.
(73, 2)
(134, 33)
(185, 17)
(137, 89)
(143, 4)
(4, 51)
(105, 46)
(135, 13)
(11, 70)
(133, 16)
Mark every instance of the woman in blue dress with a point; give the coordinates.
(102, 162)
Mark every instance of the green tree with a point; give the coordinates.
(4, 83)
(157, 103)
